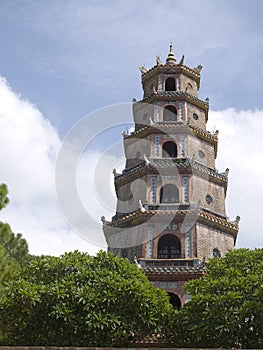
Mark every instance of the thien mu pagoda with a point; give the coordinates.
(170, 214)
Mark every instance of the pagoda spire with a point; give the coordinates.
(171, 58)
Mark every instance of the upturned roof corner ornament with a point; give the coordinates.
(236, 221)
(226, 172)
(181, 61)
(137, 263)
(146, 160)
(158, 61)
(143, 210)
(238, 218)
(143, 70)
(151, 122)
(198, 68)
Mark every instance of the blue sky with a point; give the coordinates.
(61, 60)
(72, 57)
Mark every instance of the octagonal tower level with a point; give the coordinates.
(170, 213)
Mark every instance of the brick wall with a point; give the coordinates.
(125, 242)
(194, 148)
(209, 238)
(142, 114)
(189, 85)
(152, 82)
(135, 150)
(201, 187)
(200, 122)
(130, 193)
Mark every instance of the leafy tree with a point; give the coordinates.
(3, 196)
(80, 300)
(8, 268)
(13, 248)
(226, 306)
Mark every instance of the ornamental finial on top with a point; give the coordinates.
(171, 58)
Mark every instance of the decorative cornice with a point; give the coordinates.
(162, 163)
(203, 134)
(171, 94)
(206, 217)
(133, 173)
(202, 216)
(214, 175)
(164, 127)
(173, 270)
(142, 132)
(173, 275)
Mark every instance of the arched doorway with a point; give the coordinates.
(169, 247)
(170, 84)
(169, 150)
(170, 114)
(175, 301)
(169, 194)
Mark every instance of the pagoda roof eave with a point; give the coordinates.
(148, 129)
(173, 273)
(187, 166)
(179, 94)
(202, 216)
(175, 68)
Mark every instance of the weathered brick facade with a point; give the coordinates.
(170, 213)
(208, 238)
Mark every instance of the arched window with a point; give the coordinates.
(124, 253)
(170, 114)
(169, 247)
(169, 150)
(170, 84)
(174, 301)
(169, 194)
(209, 199)
(189, 87)
(216, 253)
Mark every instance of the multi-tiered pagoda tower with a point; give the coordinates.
(171, 199)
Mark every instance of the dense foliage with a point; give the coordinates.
(8, 268)
(226, 306)
(80, 300)
(13, 248)
(4, 200)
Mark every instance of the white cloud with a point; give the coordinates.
(240, 149)
(29, 146)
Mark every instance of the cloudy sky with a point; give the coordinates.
(62, 60)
